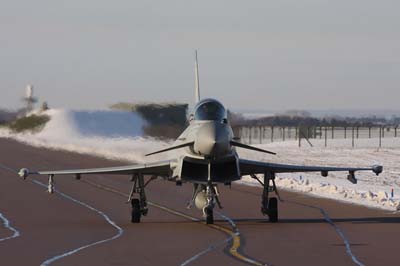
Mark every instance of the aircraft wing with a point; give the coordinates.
(248, 167)
(161, 168)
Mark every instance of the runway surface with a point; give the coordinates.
(88, 222)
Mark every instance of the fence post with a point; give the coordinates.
(369, 132)
(320, 132)
(259, 131)
(299, 136)
(357, 131)
(326, 135)
(283, 133)
(345, 133)
(250, 135)
(395, 132)
(333, 128)
(272, 133)
(352, 137)
(380, 136)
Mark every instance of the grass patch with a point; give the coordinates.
(33, 123)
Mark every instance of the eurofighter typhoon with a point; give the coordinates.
(207, 158)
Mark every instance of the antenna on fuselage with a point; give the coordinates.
(197, 81)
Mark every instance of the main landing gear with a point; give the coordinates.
(269, 205)
(139, 205)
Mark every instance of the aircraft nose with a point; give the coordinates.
(212, 140)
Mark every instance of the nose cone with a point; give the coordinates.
(212, 140)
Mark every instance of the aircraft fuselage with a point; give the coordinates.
(211, 158)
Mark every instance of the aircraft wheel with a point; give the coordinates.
(136, 213)
(209, 216)
(273, 210)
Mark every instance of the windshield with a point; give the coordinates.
(209, 110)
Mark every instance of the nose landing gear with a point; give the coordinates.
(211, 196)
(205, 197)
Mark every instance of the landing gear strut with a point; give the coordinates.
(269, 205)
(208, 209)
(209, 213)
(139, 205)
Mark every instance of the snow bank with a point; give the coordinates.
(111, 134)
(107, 124)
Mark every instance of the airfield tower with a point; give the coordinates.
(29, 99)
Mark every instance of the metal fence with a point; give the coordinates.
(268, 134)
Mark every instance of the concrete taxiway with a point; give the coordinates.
(87, 222)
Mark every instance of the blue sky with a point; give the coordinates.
(275, 55)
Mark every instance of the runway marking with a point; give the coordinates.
(111, 222)
(329, 221)
(203, 252)
(7, 225)
(235, 243)
(6, 222)
(233, 234)
(343, 236)
(337, 229)
(8, 169)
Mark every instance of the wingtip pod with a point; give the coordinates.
(377, 169)
(24, 173)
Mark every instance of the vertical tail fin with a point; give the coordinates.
(197, 82)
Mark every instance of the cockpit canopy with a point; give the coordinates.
(209, 109)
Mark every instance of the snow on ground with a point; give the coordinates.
(111, 134)
(118, 135)
(371, 190)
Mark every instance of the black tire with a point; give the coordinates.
(136, 213)
(209, 216)
(273, 210)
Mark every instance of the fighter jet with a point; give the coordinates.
(206, 157)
